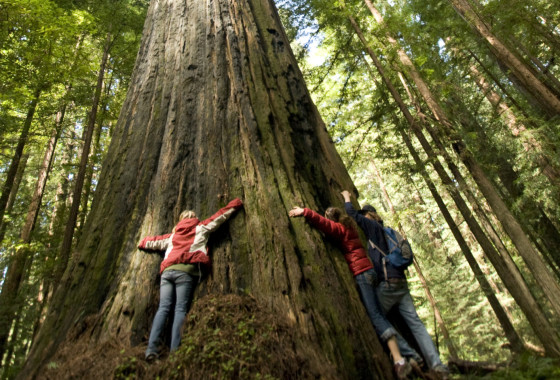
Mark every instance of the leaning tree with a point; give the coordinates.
(217, 108)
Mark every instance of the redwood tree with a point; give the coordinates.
(217, 108)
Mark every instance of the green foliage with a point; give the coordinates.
(526, 366)
(126, 370)
(364, 121)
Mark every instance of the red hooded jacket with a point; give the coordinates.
(188, 244)
(348, 238)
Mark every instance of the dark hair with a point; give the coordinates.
(337, 215)
(374, 215)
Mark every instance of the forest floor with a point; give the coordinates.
(240, 340)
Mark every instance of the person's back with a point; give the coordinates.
(393, 287)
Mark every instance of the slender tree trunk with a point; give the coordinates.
(505, 322)
(508, 272)
(59, 214)
(79, 183)
(439, 319)
(517, 128)
(13, 169)
(510, 60)
(483, 215)
(217, 108)
(532, 258)
(13, 193)
(8, 294)
(20, 260)
(93, 160)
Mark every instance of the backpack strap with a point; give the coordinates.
(383, 260)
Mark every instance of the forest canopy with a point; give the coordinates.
(446, 115)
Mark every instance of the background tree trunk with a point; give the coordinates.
(217, 108)
(13, 169)
(79, 183)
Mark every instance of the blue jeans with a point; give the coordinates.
(391, 294)
(175, 286)
(366, 282)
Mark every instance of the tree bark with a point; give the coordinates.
(217, 108)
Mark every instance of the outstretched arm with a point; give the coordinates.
(155, 243)
(323, 224)
(350, 210)
(212, 223)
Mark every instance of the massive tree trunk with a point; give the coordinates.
(217, 108)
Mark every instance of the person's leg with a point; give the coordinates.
(423, 338)
(165, 302)
(366, 286)
(184, 289)
(388, 295)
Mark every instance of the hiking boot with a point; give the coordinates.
(441, 371)
(151, 357)
(402, 370)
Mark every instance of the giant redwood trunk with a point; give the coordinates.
(217, 108)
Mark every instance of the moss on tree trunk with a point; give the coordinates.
(217, 108)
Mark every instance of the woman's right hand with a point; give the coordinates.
(295, 212)
(346, 195)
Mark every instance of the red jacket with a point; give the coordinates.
(348, 238)
(188, 244)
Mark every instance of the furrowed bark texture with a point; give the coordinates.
(217, 108)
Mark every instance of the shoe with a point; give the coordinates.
(151, 357)
(402, 370)
(417, 367)
(441, 371)
(416, 363)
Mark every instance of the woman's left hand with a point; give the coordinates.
(296, 211)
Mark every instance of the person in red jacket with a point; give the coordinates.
(343, 229)
(186, 254)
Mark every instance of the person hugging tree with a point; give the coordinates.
(185, 258)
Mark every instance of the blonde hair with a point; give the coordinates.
(187, 214)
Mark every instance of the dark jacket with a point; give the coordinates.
(348, 239)
(374, 232)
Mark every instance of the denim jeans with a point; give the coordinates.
(176, 286)
(389, 295)
(366, 282)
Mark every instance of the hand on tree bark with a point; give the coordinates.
(346, 195)
(296, 211)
